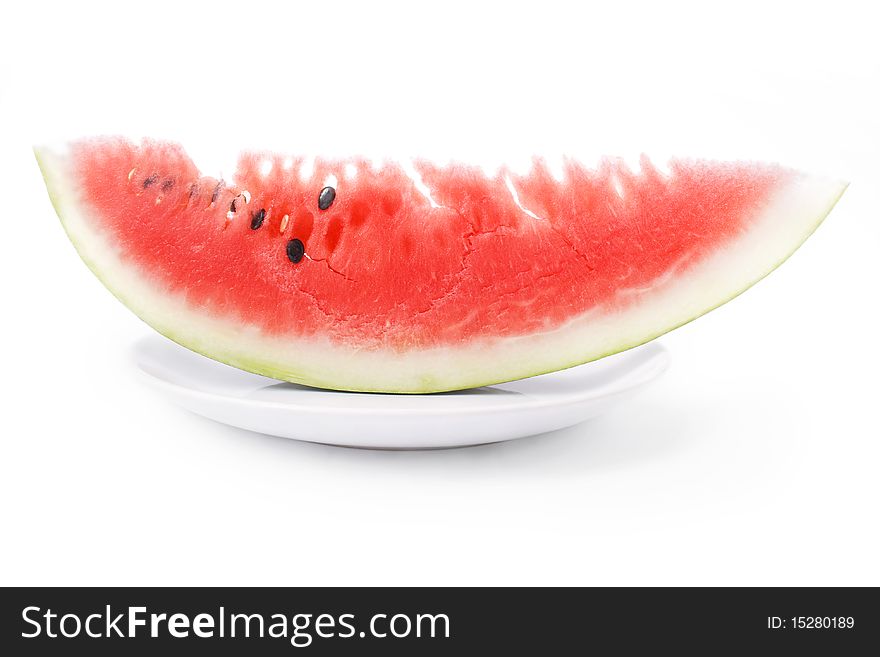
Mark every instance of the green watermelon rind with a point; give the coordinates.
(417, 372)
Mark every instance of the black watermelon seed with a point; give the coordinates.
(295, 250)
(326, 198)
(216, 192)
(152, 179)
(167, 184)
(257, 218)
(193, 190)
(232, 205)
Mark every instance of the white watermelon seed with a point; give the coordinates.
(617, 185)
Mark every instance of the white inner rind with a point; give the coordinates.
(790, 216)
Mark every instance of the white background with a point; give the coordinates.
(754, 461)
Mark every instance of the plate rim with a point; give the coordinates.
(660, 360)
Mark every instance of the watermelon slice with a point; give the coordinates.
(407, 276)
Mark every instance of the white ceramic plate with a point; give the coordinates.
(451, 419)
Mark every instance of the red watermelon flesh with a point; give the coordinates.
(420, 277)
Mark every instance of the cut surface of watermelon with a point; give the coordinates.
(407, 276)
